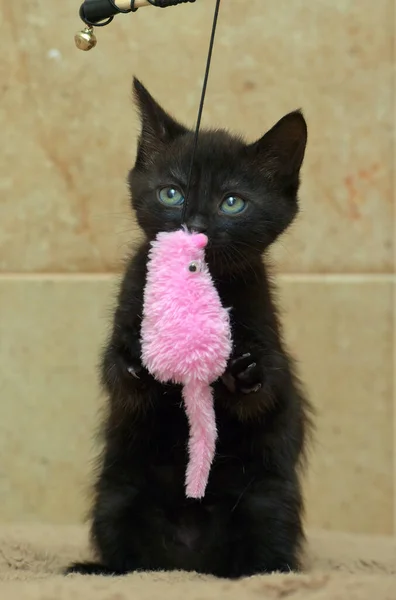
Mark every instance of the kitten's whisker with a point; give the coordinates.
(242, 494)
(239, 267)
(233, 265)
(245, 261)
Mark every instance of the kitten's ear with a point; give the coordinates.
(157, 126)
(281, 150)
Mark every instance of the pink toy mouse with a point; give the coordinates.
(186, 339)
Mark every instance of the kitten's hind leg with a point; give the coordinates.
(267, 529)
(90, 568)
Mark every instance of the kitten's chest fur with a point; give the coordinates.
(165, 468)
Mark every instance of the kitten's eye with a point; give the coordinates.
(170, 196)
(232, 205)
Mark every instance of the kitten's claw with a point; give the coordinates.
(134, 372)
(247, 373)
(252, 390)
(243, 375)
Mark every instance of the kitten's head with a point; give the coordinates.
(243, 196)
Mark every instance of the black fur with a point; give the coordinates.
(250, 520)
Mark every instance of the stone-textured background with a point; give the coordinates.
(68, 138)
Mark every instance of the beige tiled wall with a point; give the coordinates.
(68, 138)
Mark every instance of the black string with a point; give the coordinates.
(201, 106)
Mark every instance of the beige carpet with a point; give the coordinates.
(338, 567)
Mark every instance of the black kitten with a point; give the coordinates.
(243, 196)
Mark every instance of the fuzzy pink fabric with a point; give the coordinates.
(186, 339)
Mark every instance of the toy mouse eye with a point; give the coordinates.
(193, 267)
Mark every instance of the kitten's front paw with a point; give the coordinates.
(243, 375)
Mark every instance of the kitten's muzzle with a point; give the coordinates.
(197, 224)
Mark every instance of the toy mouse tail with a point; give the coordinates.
(198, 401)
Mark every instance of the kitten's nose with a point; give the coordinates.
(197, 224)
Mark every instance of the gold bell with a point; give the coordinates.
(85, 39)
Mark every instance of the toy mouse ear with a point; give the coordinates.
(157, 126)
(201, 240)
